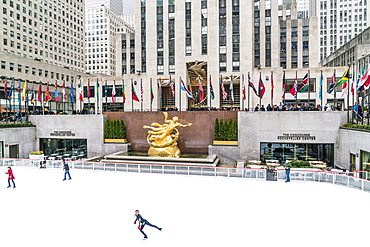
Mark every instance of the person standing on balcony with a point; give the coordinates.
(10, 177)
(142, 222)
(66, 170)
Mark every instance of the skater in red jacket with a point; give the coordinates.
(142, 223)
(10, 177)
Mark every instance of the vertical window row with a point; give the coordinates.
(268, 33)
(222, 34)
(171, 36)
(143, 36)
(188, 28)
(236, 35)
(257, 61)
(204, 20)
(160, 62)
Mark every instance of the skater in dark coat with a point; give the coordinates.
(10, 177)
(142, 223)
(66, 170)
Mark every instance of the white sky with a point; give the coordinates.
(97, 209)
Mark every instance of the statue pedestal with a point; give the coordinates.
(172, 151)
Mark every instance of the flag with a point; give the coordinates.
(283, 86)
(353, 83)
(47, 94)
(64, 92)
(56, 95)
(211, 92)
(320, 86)
(24, 90)
(124, 92)
(97, 90)
(88, 89)
(39, 92)
(80, 92)
(172, 87)
(365, 79)
(183, 88)
(32, 94)
(272, 86)
(344, 79)
(304, 84)
(224, 94)
(105, 91)
(151, 91)
(261, 88)
(294, 89)
(201, 91)
(134, 95)
(250, 84)
(332, 83)
(72, 91)
(10, 94)
(113, 91)
(345, 89)
(160, 90)
(141, 91)
(243, 89)
(231, 88)
(5, 89)
(19, 91)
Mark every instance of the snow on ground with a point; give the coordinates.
(96, 208)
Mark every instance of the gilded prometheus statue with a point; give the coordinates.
(162, 138)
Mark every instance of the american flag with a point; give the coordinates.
(224, 94)
(172, 87)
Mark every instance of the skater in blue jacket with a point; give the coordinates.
(142, 222)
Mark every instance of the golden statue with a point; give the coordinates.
(162, 138)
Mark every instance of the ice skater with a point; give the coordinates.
(142, 223)
(66, 170)
(10, 177)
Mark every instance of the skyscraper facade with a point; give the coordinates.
(116, 6)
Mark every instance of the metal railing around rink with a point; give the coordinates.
(356, 179)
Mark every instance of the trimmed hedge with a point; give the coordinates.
(300, 164)
(115, 129)
(226, 130)
(356, 126)
(10, 125)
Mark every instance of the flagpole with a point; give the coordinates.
(284, 89)
(219, 91)
(322, 78)
(335, 91)
(309, 92)
(259, 92)
(243, 90)
(296, 91)
(348, 85)
(132, 99)
(209, 88)
(141, 94)
(123, 94)
(180, 95)
(151, 91)
(248, 93)
(272, 89)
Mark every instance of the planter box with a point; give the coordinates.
(225, 143)
(115, 140)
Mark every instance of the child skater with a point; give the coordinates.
(142, 223)
(10, 177)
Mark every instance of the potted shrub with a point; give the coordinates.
(226, 132)
(37, 155)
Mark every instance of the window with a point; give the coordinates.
(11, 66)
(3, 64)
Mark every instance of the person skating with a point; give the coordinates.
(10, 177)
(142, 222)
(66, 170)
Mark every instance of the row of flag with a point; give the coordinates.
(22, 95)
(362, 83)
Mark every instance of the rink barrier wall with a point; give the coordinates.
(349, 179)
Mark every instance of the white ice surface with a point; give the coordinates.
(97, 209)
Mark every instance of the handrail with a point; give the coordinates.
(349, 179)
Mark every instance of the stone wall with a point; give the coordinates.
(24, 137)
(352, 142)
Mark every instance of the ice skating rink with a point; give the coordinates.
(96, 208)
